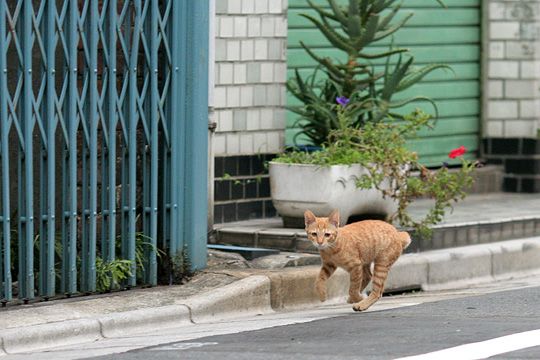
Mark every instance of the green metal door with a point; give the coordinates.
(434, 35)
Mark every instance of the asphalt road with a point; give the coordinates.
(387, 334)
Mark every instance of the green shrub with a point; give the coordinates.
(381, 148)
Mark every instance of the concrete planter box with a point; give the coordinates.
(297, 187)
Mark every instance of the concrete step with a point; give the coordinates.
(479, 219)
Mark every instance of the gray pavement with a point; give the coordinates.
(387, 334)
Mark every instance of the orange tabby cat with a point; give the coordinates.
(354, 247)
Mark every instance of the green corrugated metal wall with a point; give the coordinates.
(434, 35)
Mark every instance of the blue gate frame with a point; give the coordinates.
(103, 139)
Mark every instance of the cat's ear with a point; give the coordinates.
(333, 218)
(309, 217)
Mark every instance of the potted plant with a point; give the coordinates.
(364, 165)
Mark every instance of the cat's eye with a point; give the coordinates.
(314, 234)
(327, 234)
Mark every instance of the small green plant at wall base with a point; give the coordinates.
(381, 149)
(175, 269)
(110, 275)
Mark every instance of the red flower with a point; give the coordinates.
(457, 152)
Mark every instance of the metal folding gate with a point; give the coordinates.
(103, 134)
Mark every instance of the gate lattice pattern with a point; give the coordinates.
(97, 158)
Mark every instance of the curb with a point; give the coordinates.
(137, 321)
(37, 337)
(248, 296)
(287, 288)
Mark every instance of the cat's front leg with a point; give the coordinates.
(356, 277)
(320, 285)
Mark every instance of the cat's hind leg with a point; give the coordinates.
(380, 274)
(320, 284)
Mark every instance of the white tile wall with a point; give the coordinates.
(240, 26)
(248, 6)
(495, 89)
(504, 69)
(513, 69)
(529, 109)
(503, 110)
(521, 89)
(261, 6)
(504, 30)
(519, 128)
(494, 128)
(246, 143)
(251, 72)
(261, 49)
(233, 143)
(219, 143)
(240, 73)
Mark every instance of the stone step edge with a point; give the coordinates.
(296, 239)
(301, 232)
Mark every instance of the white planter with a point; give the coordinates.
(297, 187)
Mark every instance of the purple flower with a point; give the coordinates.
(342, 100)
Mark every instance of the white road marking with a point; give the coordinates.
(483, 349)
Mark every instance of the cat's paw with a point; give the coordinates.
(321, 291)
(360, 306)
(322, 295)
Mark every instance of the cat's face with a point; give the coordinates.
(322, 232)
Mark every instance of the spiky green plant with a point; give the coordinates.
(353, 29)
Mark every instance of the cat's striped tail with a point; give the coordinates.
(405, 239)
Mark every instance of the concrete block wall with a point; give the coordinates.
(249, 104)
(512, 91)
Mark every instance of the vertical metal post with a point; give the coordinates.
(132, 141)
(89, 162)
(109, 167)
(154, 118)
(26, 160)
(69, 229)
(92, 119)
(177, 103)
(145, 119)
(127, 26)
(5, 246)
(211, 112)
(149, 154)
(196, 129)
(47, 242)
(85, 154)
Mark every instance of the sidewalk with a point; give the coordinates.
(232, 287)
